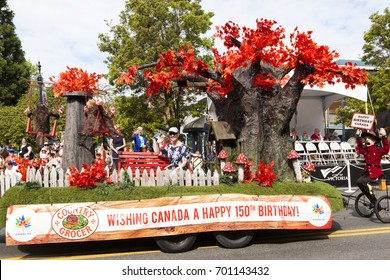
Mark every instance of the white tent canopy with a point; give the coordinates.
(315, 101)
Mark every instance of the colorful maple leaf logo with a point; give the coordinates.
(22, 222)
(318, 209)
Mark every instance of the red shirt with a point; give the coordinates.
(315, 137)
(372, 156)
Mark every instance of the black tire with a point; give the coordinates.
(382, 209)
(362, 206)
(234, 239)
(175, 243)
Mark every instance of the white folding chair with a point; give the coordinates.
(326, 155)
(351, 141)
(314, 155)
(335, 149)
(300, 149)
(349, 151)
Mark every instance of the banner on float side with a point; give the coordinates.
(362, 121)
(76, 222)
(337, 175)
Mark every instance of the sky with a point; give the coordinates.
(60, 33)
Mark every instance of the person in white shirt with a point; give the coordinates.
(54, 160)
(11, 169)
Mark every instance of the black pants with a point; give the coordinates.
(364, 185)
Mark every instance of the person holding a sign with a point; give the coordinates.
(375, 147)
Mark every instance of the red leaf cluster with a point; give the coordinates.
(263, 45)
(75, 79)
(129, 76)
(170, 67)
(265, 175)
(24, 164)
(22, 168)
(88, 177)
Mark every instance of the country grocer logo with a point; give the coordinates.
(75, 222)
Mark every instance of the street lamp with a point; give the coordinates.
(40, 83)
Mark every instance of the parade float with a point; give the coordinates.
(172, 220)
(255, 88)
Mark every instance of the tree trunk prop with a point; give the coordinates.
(257, 87)
(260, 119)
(78, 149)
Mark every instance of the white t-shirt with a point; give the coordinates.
(12, 171)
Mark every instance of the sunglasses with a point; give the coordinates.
(172, 133)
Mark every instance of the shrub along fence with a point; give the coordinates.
(56, 177)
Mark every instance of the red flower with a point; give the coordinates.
(75, 79)
(88, 177)
(264, 174)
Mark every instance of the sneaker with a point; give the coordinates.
(371, 206)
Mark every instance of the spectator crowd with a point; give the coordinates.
(16, 161)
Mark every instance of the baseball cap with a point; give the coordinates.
(174, 130)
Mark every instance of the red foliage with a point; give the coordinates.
(263, 44)
(265, 175)
(88, 177)
(170, 67)
(129, 76)
(22, 168)
(24, 164)
(75, 79)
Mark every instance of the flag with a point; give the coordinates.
(60, 109)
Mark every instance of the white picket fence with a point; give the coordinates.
(53, 177)
(167, 177)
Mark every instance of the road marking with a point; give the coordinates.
(356, 232)
(280, 238)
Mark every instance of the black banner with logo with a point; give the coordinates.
(337, 175)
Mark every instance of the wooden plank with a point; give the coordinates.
(143, 161)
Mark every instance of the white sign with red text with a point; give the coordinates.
(362, 121)
(165, 216)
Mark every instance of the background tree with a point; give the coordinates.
(150, 27)
(256, 84)
(376, 53)
(14, 68)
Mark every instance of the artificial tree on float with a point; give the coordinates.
(256, 85)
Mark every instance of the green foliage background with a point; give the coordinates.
(14, 69)
(146, 29)
(376, 53)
